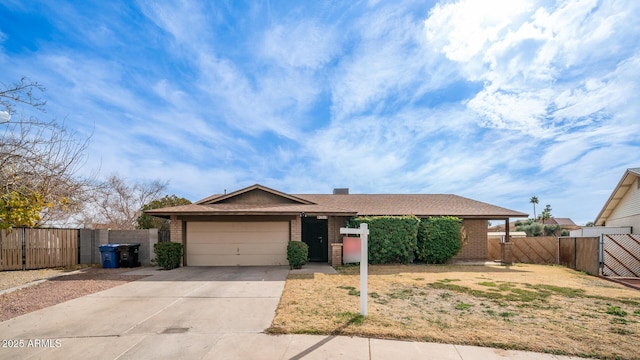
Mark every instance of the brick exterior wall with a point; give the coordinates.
(476, 247)
(175, 228)
(296, 229)
(336, 254)
(335, 223)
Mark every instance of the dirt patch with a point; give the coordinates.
(529, 307)
(59, 289)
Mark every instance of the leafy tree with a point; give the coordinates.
(551, 230)
(530, 227)
(546, 213)
(153, 222)
(590, 224)
(18, 209)
(38, 161)
(534, 201)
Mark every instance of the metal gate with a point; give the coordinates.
(621, 255)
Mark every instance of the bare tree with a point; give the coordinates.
(39, 160)
(119, 204)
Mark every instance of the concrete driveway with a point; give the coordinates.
(174, 314)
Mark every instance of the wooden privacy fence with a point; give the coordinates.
(26, 248)
(529, 250)
(579, 253)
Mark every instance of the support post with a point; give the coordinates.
(507, 236)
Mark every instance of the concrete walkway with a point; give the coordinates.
(199, 313)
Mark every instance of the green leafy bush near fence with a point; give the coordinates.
(392, 239)
(168, 254)
(297, 254)
(439, 239)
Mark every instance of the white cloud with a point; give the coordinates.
(526, 55)
(303, 43)
(462, 30)
(185, 20)
(386, 63)
(4, 116)
(513, 110)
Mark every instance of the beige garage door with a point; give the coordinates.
(237, 243)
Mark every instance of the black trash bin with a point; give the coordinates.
(129, 255)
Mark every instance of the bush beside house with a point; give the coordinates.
(297, 254)
(392, 239)
(439, 239)
(403, 239)
(168, 254)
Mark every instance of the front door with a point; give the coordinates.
(315, 234)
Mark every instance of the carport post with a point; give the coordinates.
(364, 262)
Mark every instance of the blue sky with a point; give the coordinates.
(493, 100)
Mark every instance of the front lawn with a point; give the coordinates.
(527, 307)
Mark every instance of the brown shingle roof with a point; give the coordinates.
(414, 204)
(347, 205)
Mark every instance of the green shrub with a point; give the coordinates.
(439, 239)
(392, 239)
(168, 254)
(551, 230)
(297, 254)
(530, 227)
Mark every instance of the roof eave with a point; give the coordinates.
(601, 219)
(251, 212)
(210, 199)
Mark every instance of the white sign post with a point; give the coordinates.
(363, 231)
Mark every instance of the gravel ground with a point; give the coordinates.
(11, 279)
(56, 289)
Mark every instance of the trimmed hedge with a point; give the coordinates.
(392, 239)
(439, 239)
(168, 254)
(297, 254)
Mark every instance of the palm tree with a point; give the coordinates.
(534, 201)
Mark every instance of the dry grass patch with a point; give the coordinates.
(529, 307)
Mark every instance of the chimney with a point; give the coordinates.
(341, 191)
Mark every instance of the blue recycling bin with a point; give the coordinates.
(110, 256)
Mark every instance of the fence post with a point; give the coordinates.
(575, 253)
(24, 248)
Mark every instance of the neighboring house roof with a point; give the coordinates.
(618, 193)
(345, 205)
(560, 221)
